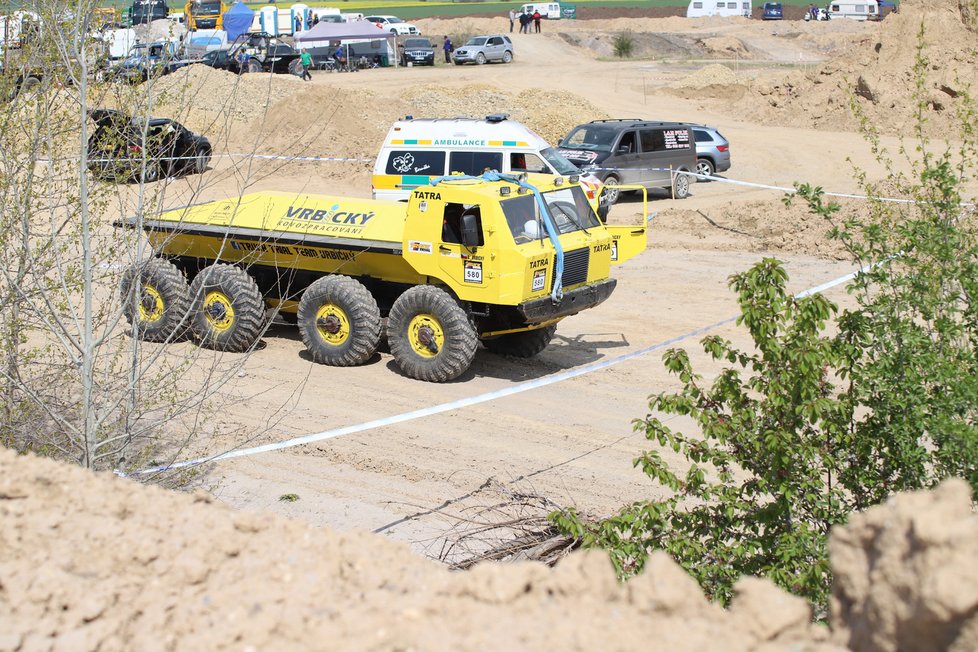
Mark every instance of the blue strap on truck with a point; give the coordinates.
(557, 293)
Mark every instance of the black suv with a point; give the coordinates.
(417, 51)
(129, 149)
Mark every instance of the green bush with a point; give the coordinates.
(810, 423)
(623, 44)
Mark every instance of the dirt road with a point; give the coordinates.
(570, 441)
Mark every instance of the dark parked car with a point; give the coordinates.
(131, 149)
(418, 51)
(772, 11)
(258, 52)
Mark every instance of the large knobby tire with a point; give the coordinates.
(430, 335)
(522, 345)
(680, 186)
(253, 66)
(228, 309)
(339, 321)
(156, 300)
(296, 68)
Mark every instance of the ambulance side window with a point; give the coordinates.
(451, 229)
(475, 163)
(527, 162)
(416, 162)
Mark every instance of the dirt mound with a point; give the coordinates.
(714, 81)
(879, 75)
(907, 574)
(761, 226)
(99, 562)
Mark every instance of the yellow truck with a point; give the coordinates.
(495, 259)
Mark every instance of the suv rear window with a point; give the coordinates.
(702, 136)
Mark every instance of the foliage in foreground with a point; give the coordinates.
(829, 411)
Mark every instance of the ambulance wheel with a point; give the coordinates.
(680, 186)
(339, 321)
(159, 313)
(430, 335)
(228, 309)
(522, 345)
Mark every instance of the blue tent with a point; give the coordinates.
(237, 20)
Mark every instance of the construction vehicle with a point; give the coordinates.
(494, 259)
(204, 14)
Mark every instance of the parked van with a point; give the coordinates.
(417, 150)
(550, 10)
(634, 152)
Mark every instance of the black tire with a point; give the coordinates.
(704, 166)
(507, 57)
(480, 59)
(680, 185)
(339, 321)
(253, 66)
(522, 345)
(228, 310)
(296, 68)
(430, 335)
(611, 191)
(160, 312)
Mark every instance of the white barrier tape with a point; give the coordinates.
(468, 401)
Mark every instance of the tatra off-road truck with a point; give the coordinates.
(494, 259)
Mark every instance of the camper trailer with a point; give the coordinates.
(863, 10)
(701, 8)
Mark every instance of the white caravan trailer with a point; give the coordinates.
(865, 10)
(701, 8)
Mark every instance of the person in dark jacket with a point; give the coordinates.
(448, 48)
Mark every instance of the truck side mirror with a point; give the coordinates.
(471, 231)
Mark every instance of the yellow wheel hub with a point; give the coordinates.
(426, 335)
(333, 324)
(150, 305)
(218, 311)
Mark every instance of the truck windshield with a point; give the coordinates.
(568, 207)
(559, 162)
(592, 137)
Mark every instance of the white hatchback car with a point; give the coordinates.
(394, 24)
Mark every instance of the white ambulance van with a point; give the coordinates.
(418, 150)
(548, 10)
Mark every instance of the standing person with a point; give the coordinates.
(512, 19)
(297, 24)
(536, 21)
(448, 48)
(524, 22)
(306, 60)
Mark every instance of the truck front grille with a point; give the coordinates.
(575, 268)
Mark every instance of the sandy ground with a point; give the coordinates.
(570, 441)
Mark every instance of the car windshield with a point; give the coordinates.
(392, 19)
(593, 137)
(417, 43)
(568, 207)
(477, 40)
(559, 162)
